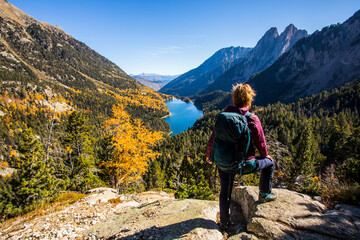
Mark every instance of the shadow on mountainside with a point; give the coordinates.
(173, 231)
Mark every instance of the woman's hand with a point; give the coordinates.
(270, 157)
(208, 160)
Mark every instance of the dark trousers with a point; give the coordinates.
(227, 180)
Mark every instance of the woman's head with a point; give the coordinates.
(242, 95)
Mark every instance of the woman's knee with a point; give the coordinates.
(265, 164)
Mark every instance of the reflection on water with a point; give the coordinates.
(183, 115)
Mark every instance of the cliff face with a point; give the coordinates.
(268, 49)
(195, 80)
(325, 60)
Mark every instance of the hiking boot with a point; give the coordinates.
(267, 197)
(223, 227)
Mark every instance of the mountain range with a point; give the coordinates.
(225, 72)
(268, 49)
(197, 79)
(152, 80)
(325, 60)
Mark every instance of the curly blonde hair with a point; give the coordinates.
(242, 95)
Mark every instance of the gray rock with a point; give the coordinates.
(7, 171)
(293, 216)
(101, 189)
(349, 210)
(186, 219)
(243, 236)
(317, 198)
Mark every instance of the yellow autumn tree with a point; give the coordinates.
(132, 151)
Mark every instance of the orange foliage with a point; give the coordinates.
(3, 165)
(145, 98)
(132, 141)
(13, 153)
(31, 104)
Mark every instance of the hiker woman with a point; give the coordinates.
(242, 98)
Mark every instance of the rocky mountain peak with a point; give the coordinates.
(291, 32)
(290, 28)
(325, 60)
(270, 35)
(273, 41)
(267, 50)
(272, 45)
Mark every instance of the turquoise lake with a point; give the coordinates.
(183, 115)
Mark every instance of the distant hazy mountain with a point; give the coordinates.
(153, 81)
(195, 80)
(268, 49)
(323, 61)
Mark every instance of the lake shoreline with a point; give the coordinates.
(182, 115)
(166, 116)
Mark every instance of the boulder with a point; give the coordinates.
(295, 216)
(100, 195)
(101, 190)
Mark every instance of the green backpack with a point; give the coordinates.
(232, 141)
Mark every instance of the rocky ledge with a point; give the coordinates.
(295, 216)
(185, 219)
(157, 215)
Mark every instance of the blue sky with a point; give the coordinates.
(174, 36)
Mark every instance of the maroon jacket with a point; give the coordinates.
(256, 133)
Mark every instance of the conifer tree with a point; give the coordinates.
(155, 176)
(34, 179)
(106, 154)
(80, 159)
(7, 197)
(350, 169)
(307, 154)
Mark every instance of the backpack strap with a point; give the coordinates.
(247, 115)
